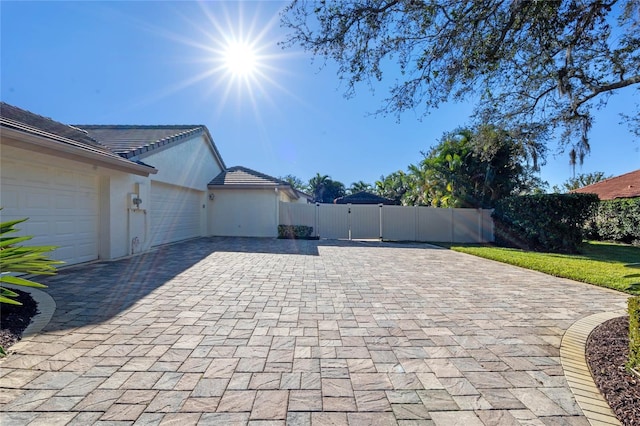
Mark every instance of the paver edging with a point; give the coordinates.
(46, 308)
(572, 355)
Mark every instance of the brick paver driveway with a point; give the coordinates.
(235, 331)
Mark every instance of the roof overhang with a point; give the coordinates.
(26, 137)
(213, 146)
(286, 188)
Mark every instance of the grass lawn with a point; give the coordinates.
(598, 263)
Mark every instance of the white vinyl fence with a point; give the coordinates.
(394, 223)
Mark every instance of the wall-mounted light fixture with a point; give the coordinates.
(212, 196)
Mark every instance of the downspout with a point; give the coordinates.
(277, 210)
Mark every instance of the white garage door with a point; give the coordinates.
(61, 204)
(175, 213)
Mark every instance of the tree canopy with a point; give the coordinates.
(469, 167)
(325, 189)
(394, 186)
(358, 186)
(295, 182)
(536, 67)
(579, 181)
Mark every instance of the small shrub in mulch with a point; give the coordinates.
(298, 232)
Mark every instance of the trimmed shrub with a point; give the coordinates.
(634, 332)
(543, 222)
(616, 220)
(295, 232)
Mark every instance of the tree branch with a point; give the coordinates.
(607, 88)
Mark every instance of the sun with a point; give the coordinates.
(233, 50)
(240, 59)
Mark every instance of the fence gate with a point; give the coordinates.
(333, 221)
(364, 221)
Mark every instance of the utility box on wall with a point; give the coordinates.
(137, 219)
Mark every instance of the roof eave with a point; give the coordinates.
(216, 153)
(57, 145)
(232, 186)
(243, 186)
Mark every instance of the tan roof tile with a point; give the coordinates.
(623, 186)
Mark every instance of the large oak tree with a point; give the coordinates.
(536, 67)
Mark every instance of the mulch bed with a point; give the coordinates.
(15, 319)
(607, 352)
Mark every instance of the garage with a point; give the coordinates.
(60, 202)
(246, 213)
(175, 213)
(245, 203)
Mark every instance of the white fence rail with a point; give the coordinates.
(396, 223)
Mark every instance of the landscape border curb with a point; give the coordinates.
(574, 363)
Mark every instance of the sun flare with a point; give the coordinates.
(240, 59)
(237, 53)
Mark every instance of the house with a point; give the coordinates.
(364, 197)
(104, 192)
(175, 197)
(623, 186)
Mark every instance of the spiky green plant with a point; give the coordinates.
(18, 259)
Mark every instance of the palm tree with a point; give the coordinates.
(393, 186)
(359, 187)
(317, 186)
(415, 185)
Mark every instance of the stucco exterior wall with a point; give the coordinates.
(116, 229)
(190, 163)
(245, 213)
(300, 200)
(286, 198)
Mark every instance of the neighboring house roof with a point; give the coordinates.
(243, 177)
(130, 141)
(20, 127)
(623, 186)
(364, 197)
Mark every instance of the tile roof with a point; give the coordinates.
(364, 197)
(123, 142)
(242, 176)
(26, 121)
(623, 186)
(132, 140)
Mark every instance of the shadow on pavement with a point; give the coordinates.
(96, 292)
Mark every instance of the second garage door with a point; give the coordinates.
(175, 213)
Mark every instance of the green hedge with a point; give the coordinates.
(295, 231)
(634, 332)
(616, 220)
(543, 222)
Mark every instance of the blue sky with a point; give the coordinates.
(163, 63)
